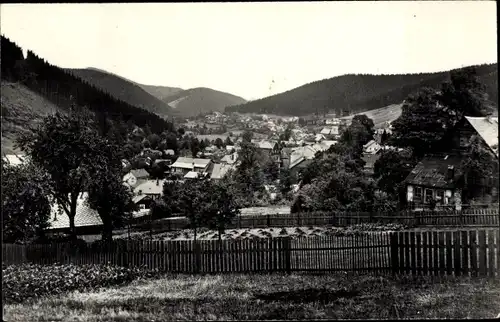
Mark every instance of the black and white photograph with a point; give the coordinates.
(333, 160)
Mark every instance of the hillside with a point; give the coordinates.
(21, 106)
(122, 89)
(160, 92)
(64, 90)
(381, 115)
(201, 100)
(356, 93)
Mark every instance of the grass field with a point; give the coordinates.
(267, 297)
(382, 115)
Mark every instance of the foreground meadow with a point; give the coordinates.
(266, 297)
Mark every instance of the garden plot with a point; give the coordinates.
(257, 233)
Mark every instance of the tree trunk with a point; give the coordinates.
(72, 215)
(72, 230)
(107, 232)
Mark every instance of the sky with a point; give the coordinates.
(254, 50)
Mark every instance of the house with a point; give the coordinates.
(195, 175)
(230, 158)
(326, 144)
(220, 170)
(230, 148)
(435, 178)
(267, 146)
(332, 131)
(87, 220)
(14, 159)
(125, 163)
(135, 177)
(163, 162)
(143, 201)
(169, 153)
(151, 188)
(332, 121)
(184, 164)
(319, 137)
(371, 147)
(370, 160)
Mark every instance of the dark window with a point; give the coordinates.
(418, 194)
(428, 195)
(440, 196)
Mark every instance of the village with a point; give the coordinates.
(218, 161)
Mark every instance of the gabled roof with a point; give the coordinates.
(230, 158)
(266, 145)
(140, 173)
(325, 131)
(85, 216)
(150, 187)
(370, 160)
(326, 144)
(192, 175)
(220, 169)
(487, 128)
(138, 198)
(432, 171)
(187, 163)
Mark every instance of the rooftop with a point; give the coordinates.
(220, 169)
(432, 171)
(150, 187)
(85, 216)
(140, 173)
(187, 163)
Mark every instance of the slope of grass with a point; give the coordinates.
(160, 92)
(381, 115)
(122, 89)
(357, 93)
(21, 107)
(270, 297)
(194, 101)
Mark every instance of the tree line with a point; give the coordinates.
(64, 89)
(356, 93)
(427, 125)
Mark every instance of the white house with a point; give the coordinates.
(371, 147)
(184, 165)
(151, 188)
(135, 177)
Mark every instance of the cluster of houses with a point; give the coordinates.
(436, 177)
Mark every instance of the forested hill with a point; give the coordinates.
(64, 89)
(201, 100)
(357, 93)
(122, 89)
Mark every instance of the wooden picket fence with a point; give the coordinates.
(469, 217)
(460, 252)
(14, 254)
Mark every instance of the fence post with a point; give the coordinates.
(239, 221)
(288, 257)
(394, 252)
(268, 220)
(197, 257)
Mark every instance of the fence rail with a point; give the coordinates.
(460, 252)
(471, 217)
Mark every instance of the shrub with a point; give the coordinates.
(28, 281)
